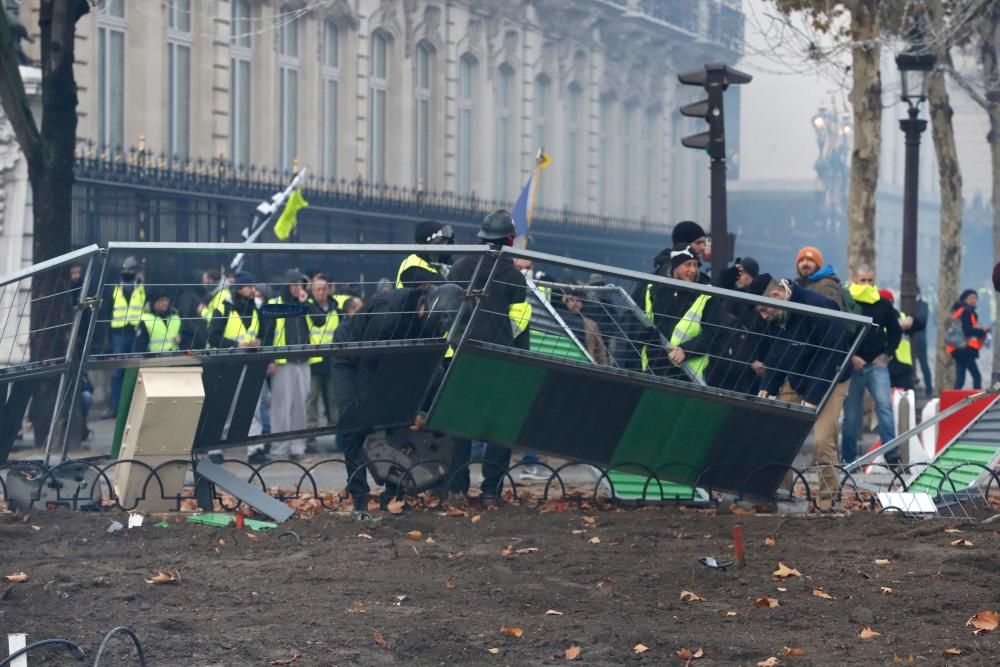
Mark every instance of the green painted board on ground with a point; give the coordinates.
(974, 455)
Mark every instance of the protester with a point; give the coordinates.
(965, 338)
(814, 275)
(323, 321)
(690, 233)
(918, 343)
(128, 301)
(901, 364)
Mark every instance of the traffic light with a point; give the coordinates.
(714, 78)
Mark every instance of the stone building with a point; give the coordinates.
(439, 95)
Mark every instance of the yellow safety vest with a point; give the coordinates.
(127, 313)
(341, 299)
(234, 325)
(322, 335)
(520, 317)
(689, 328)
(163, 333)
(904, 355)
(413, 260)
(220, 297)
(644, 353)
(546, 292)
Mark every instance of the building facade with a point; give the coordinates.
(437, 95)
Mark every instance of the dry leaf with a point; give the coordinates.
(449, 583)
(17, 578)
(882, 561)
(885, 590)
(782, 589)
(984, 621)
(605, 581)
(252, 537)
(364, 536)
(456, 554)
(527, 550)
(508, 551)
(287, 661)
(553, 612)
(511, 631)
(34, 527)
(222, 542)
(868, 633)
(639, 649)
(595, 540)
(820, 593)
(785, 571)
(961, 543)
(414, 535)
(573, 652)
(454, 511)
(494, 651)
(357, 608)
(476, 519)
(688, 596)
(589, 521)
(953, 651)
(686, 654)
(731, 612)
(794, 652)
(952, 530)
(430, 539)
(396, 506)
(766, 602)
(899, 661)
(770, 662)
(770, 541)
(577, 532)
(380, 640)
(163, 578)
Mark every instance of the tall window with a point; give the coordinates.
(288, 87)
(241, 54)
(178, 77)
(573, 104)
(468, 70)
(541, 104)
(649, 142)
(330, 71)
(628, 155)
(505, 92)
(604, 154)
(422, 121)
(111, 74)
(377, 109)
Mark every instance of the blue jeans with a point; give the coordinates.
(876, 380)
(122, 342)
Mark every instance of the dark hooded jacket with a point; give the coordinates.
(825, 282)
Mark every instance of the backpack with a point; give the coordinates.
(955, 336)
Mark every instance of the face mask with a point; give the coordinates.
(127, 276)
(258, 301)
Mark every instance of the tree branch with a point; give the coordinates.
(13, 97)
(965, 85)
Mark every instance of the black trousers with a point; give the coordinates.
(496, 462)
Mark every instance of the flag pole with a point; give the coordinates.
(267, 209)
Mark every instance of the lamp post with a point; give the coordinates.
(914, 70)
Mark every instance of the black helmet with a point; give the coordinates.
(130, 264)
(426, 231)
(497, 226)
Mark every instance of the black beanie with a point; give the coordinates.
(679, 254)
(661, 260)
(759, 284)
(425, 230)
(750, 266)
(687, 231)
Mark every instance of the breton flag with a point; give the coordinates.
(524, 208)
(264, 214)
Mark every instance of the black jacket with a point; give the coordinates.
(415, 276)
(971, 330)
(296, 327)
(243, 307)
(884, 336)
(808, 350)
(492, 323)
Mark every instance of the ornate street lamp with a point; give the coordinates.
(915, 71)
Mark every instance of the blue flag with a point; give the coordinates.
(521, 208)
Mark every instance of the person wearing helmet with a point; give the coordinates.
(128, 301)
(425, 268)
(503, 319)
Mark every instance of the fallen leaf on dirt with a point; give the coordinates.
(795, 652)
(364, 536)
(883, 561)
(961, 543)
(380, 640)
(455, 554)
(573, 652)
(605, 581)
(782, 590)
(885, 590)
(163, 578)
(785, 571)
(494, 651)
(430, 539)
(688, 596)
(34, 527)
(507, 551)
(577, 532)
(639, 649)
(868, 633)
(952, 530)
(553, 612)
(731, 612)
(454, 511)
(357, 608)
(820, 593)
(953, 651)
(984, 621)
(414, 535)
(477, 519)
(287, 661)
(449, 583)
(222, 542)
(770, 662)
(254, 538)
(766, 602)
(595, 540)
(770, 541)
(511, 631)
(17, 578)
(589, 521)
(396, 506)
(865, 575)
(687, 654)
(527, 550)
(909, 660)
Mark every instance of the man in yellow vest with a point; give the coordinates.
(128, 301)
(901, 373)
(323, 321)
(425, 268)
(236, 322)
(290, 378)
(160, 330)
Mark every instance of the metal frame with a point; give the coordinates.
(533, 286)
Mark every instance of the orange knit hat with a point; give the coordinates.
(809, 252)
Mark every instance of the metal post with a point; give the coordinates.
(913, 128)
(719, 229)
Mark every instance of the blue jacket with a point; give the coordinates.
(808, 351)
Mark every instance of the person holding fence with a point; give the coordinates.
(128, 301)
(159, 330)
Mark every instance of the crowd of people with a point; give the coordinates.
(732, 341)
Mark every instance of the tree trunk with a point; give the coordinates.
(989, 46)
(866, 102)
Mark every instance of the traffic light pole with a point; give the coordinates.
(719, 230)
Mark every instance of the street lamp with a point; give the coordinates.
(914, 70)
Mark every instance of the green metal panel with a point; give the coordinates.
(556, 345)
(929, 480)
(630, 487)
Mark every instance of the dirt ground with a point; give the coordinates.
(352, 593)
